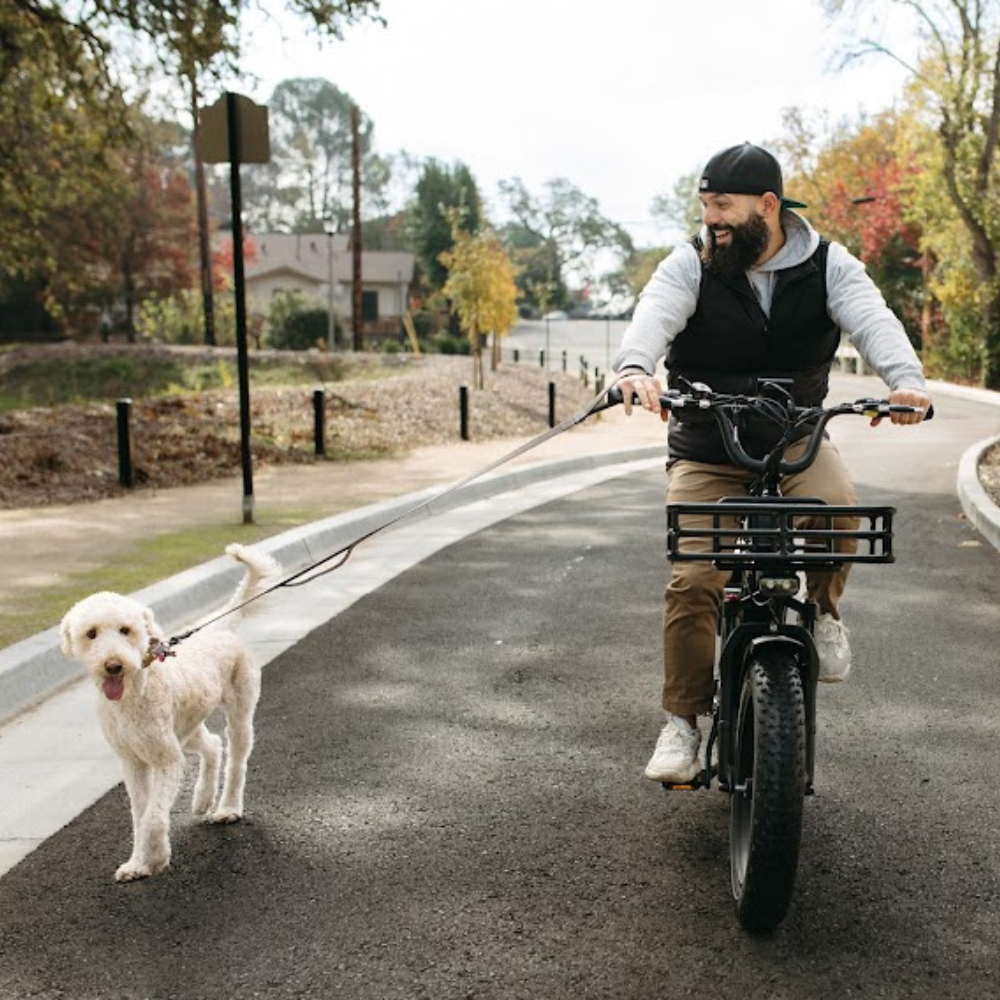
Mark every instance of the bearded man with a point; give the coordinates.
(756, 293)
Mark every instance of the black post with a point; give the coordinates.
(236, 196)
(552, 404)
(126, 475)
(463, 411)
(541, 359)
(517, 355)
(319, 420)
(564, 361)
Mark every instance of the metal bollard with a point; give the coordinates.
(541, 359)
(463, 411)
(552, 404)
(319, 420)
(126, 474)
(564, 360)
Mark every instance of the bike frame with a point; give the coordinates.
(767, 544)
(764, 713)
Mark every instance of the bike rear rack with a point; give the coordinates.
(743, 533)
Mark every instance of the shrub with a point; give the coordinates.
(295, 323)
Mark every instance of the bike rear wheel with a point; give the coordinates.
(769, 788)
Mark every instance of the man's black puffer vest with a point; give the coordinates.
(730, 340)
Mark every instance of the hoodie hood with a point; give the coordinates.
(801, 241)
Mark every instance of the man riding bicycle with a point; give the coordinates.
(756, 293)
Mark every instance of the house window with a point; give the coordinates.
(369, 307)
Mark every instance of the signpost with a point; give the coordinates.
(234, 130)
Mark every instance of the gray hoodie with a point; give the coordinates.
(853, 301)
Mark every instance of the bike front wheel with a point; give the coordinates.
(768, 791)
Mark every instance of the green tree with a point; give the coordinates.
(561, 234)
(308, 179)
(439, 192)
(680, 208)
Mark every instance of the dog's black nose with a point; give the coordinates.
(112, 668)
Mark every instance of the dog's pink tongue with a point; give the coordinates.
(114, 688)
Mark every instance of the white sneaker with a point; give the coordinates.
(675, 758)
(833, 649)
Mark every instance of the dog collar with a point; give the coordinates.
(158, 650)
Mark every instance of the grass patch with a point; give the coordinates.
(148, 563)
(146, 374)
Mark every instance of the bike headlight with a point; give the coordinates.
(778, 586)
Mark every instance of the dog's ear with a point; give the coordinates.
(66, 635)
(153, 629)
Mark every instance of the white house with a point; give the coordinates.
(321, 267)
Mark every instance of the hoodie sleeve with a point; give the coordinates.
(856, 305)
(664, 307)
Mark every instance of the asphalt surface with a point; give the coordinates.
(445, 799)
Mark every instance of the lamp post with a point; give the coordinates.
(330, 227)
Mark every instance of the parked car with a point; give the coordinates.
(556, 314)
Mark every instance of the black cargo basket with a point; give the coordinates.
(774, 537)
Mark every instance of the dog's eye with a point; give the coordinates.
(125, 630)
(91, 633)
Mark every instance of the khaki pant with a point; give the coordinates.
(694, 592)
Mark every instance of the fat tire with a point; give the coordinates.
(766, 813)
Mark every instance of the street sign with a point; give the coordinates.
(254, 140)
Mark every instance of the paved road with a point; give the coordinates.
(446, 797)
(595, 339)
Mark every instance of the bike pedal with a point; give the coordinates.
(700, 780)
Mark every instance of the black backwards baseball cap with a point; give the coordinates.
(745, 169)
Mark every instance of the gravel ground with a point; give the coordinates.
(989, 472)
(67, 454)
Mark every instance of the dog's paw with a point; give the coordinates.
(131, 871)
(201, 807)
(227, 816)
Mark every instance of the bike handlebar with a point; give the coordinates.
(783, 412)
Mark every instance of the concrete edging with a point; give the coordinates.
(35, 668)
(983, 514)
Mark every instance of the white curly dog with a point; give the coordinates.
(153, 710)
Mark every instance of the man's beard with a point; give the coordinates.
(747, 242)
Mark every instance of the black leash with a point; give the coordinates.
(602, 401)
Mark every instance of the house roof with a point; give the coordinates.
(307, 254)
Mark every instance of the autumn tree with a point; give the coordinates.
(481, 288)
(92, 211)
(958, 76)
(855, 178)
(196, 41)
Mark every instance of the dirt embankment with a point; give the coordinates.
(69, 453)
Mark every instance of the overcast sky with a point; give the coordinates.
(622, 97)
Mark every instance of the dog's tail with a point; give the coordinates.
(262, 573)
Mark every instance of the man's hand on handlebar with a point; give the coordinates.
(907, 397)
(646, 389)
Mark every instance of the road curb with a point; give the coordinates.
(976, 503)
(977, 506)
(35, 668)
